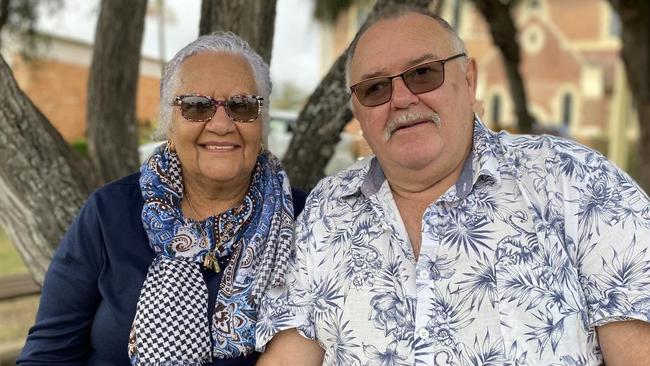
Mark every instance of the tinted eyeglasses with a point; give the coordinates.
(201, 108)
(418, 79)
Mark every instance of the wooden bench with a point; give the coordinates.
(15, 286)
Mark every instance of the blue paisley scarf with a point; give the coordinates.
(250, 243)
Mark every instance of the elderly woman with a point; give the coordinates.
(165, 267)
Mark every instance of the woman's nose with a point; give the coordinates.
(220, 123)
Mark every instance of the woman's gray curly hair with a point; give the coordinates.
(216, 42)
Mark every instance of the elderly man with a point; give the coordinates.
(455, 245)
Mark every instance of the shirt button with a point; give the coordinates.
(423, 275)
(423, 333)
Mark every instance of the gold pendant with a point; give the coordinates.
(210, 261)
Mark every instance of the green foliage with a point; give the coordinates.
(80, 146)
(21, 19)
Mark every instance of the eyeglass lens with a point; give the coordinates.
(420, 79)
(240, 108)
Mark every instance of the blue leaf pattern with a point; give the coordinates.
(521, 260)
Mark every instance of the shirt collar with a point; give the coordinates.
(482, 159)
(374, 179)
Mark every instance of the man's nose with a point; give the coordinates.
(402, 96)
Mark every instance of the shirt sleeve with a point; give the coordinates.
(290, 306)
(612, 216)
(69, 298)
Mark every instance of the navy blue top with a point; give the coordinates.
(92, 286)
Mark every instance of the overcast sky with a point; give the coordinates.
(296, 46)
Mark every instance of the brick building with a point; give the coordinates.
(56, 81)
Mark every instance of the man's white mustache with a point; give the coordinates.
(409, 118)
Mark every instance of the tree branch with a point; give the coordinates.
(42, 181)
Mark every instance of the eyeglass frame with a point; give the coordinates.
(217, 103)
(401, 76)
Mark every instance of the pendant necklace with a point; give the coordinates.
(210, 260)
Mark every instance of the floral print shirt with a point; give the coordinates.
(540, 241)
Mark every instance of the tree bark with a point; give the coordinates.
(253, 20)
(635, 51)
(504, 35)
(323, 118)
(4, 13)
(439, 5)
(42, 181)
(112, 88)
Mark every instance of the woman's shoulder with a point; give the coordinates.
(123, 193)
(124, 185)
(129, 181)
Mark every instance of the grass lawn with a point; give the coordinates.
(16, 315)
(10, 261)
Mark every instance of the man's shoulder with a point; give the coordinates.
(567, 163)
(344, 184)
(548, 149)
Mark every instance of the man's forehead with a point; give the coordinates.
(400, 42)
(384, 68)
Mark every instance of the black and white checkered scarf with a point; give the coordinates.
(171, 325)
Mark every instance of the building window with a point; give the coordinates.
(533, 4)
(533, 38)
(567, 108)
(495, 109)
(614, 25)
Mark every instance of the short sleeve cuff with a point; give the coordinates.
(633, 306)
(277, 313)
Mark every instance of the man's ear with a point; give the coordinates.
(471, 75)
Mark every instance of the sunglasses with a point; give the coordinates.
(201, 108)
(418, 79)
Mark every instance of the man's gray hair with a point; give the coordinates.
(393, 12)
(226, 42)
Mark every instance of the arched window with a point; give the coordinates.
(495, 109)
(614, 25)
(567, 108)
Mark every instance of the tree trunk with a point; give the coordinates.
(112, 88)
(253, 20)
(635, 36)
(504, 35)
(42, 181)
(322, 120)
(438, 6)
(4, 13)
